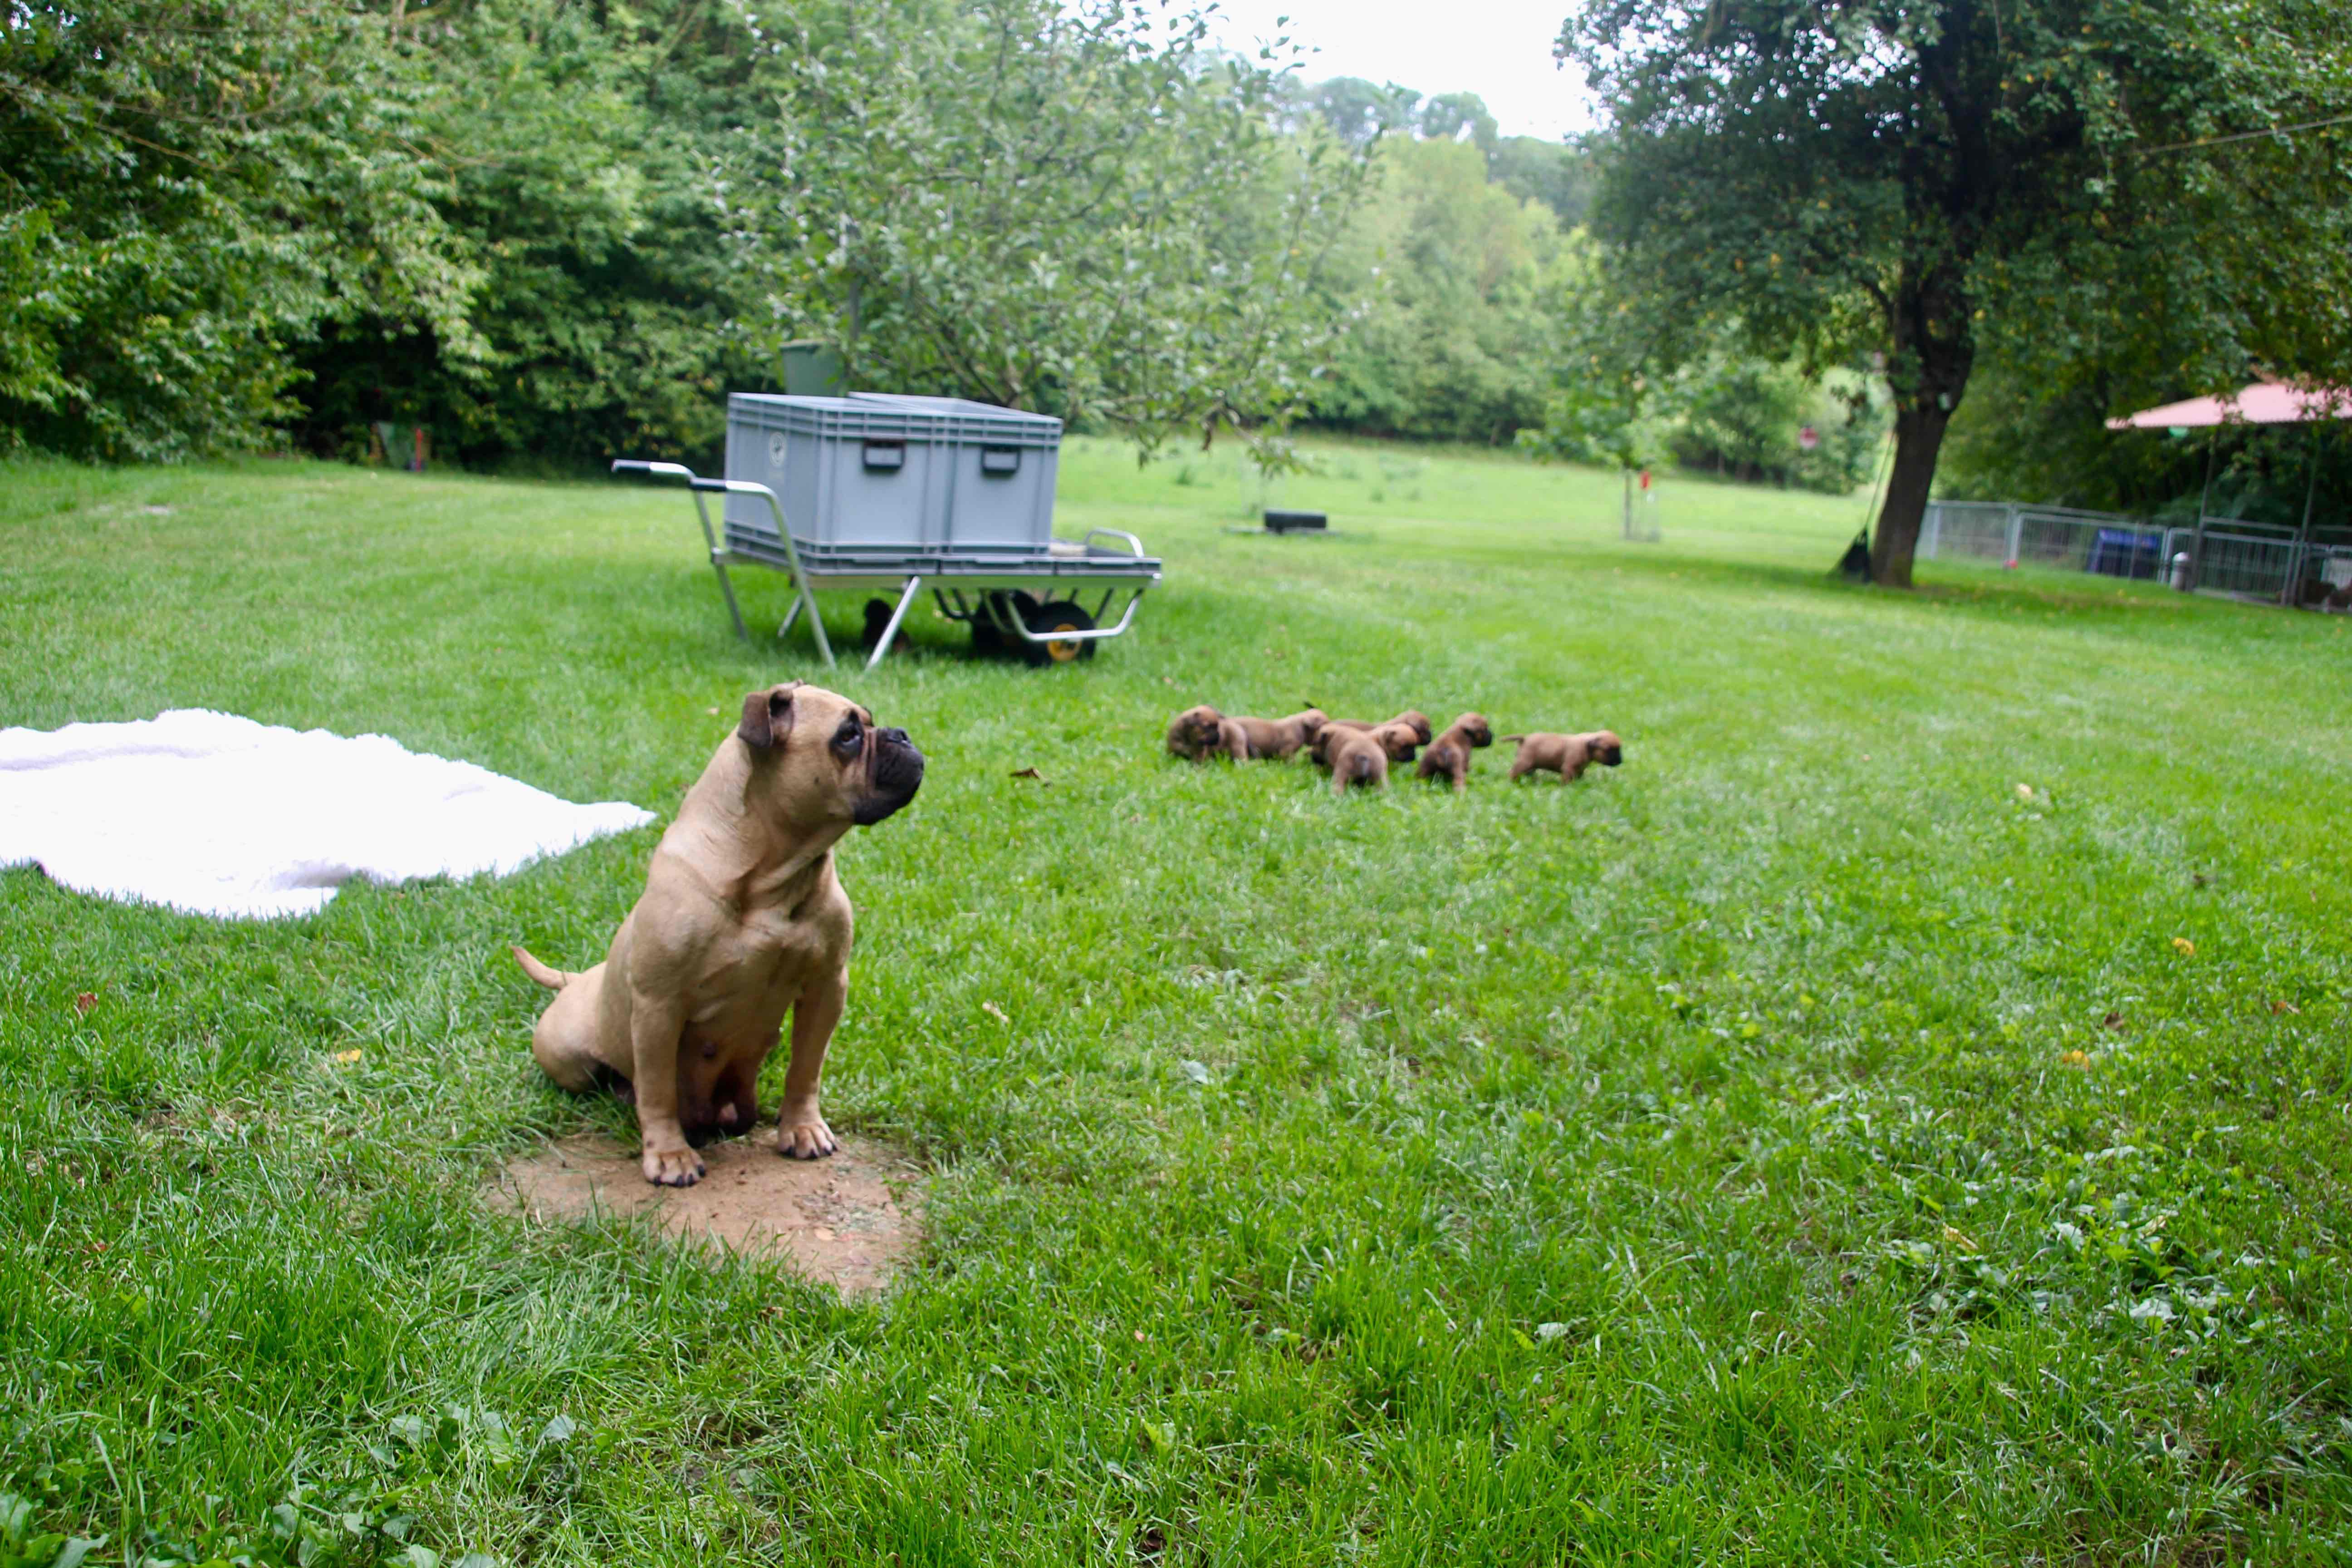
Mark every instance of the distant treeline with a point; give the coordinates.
(552, 231)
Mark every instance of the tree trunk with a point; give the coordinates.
(1918, 437)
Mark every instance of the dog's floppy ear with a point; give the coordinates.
(767, 716)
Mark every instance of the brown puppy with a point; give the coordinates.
(1361, 757)
(1567, 755)
(1449, 755)
(1413, 719)
(741, 919)
(1396, 739)
(1275, 738)
(1195, 733)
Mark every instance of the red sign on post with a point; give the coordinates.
(1646, 479)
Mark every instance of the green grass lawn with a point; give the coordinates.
(1800, 1145)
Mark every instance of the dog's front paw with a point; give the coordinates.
(678, 1167)
(802, 1135)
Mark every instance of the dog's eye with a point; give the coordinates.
(849, 737)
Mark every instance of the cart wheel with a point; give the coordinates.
(1061, 616)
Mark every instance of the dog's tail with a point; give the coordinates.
(1510, 740)
(553, 979)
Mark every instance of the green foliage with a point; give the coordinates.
(1557, 174)
(1082, 209)
(1454, 342)
(2040, 179)
(188, 187)
(578, 143)
(1745, 416)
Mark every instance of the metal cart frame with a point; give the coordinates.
(969, 586)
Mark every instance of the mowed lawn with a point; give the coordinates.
(1902, 1115)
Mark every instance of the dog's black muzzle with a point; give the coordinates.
(895, 775)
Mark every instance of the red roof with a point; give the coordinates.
(2264, 402)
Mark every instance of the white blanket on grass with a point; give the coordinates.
(218, 815)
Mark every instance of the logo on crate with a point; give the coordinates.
(777, 447)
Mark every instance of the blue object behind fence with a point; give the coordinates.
(2125, 553)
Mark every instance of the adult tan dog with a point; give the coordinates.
(1567, 755)
(1360, 757)
(1449, 755)
(741, 919)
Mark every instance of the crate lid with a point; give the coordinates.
(874, 415)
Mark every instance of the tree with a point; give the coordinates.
(1557, 174)
(1452, 340)
(576, 144)
(1460, 117)
(2108, 178)
(188, 189)
(1361, 113)
(1079, 208)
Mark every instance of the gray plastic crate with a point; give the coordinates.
(877, 470)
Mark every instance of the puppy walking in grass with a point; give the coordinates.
(741, 921)
(1360, 757)
(1412, 718)
(1197, 734)
(1567, 755)
(1449, 756)
(1202, 733)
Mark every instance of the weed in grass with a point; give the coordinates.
(1793, 1145)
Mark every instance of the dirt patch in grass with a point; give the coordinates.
(836, 1220)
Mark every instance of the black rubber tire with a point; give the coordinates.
(1061, 616)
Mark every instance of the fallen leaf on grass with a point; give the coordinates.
(1031, 774)
(2112, 1021)
(712, 711)
(2286, 1007)
(2184, 947)
(345, 1058)
(1955, 1236)
(84, 1001)
(2076, 1059)
(2025, 791)
(995, 1012)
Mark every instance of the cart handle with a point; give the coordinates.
(701, 486)
(1134, 545)
(1093, 635)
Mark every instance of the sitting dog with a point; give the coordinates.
(1197, 733)
(1360, 757)
(741, 919)
(1449, 755)
(1276, 740)
(1567, 755)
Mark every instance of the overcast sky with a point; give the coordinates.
(1499, 49)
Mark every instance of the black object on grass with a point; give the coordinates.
(1293, 522)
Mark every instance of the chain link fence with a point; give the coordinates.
(2254, 559)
